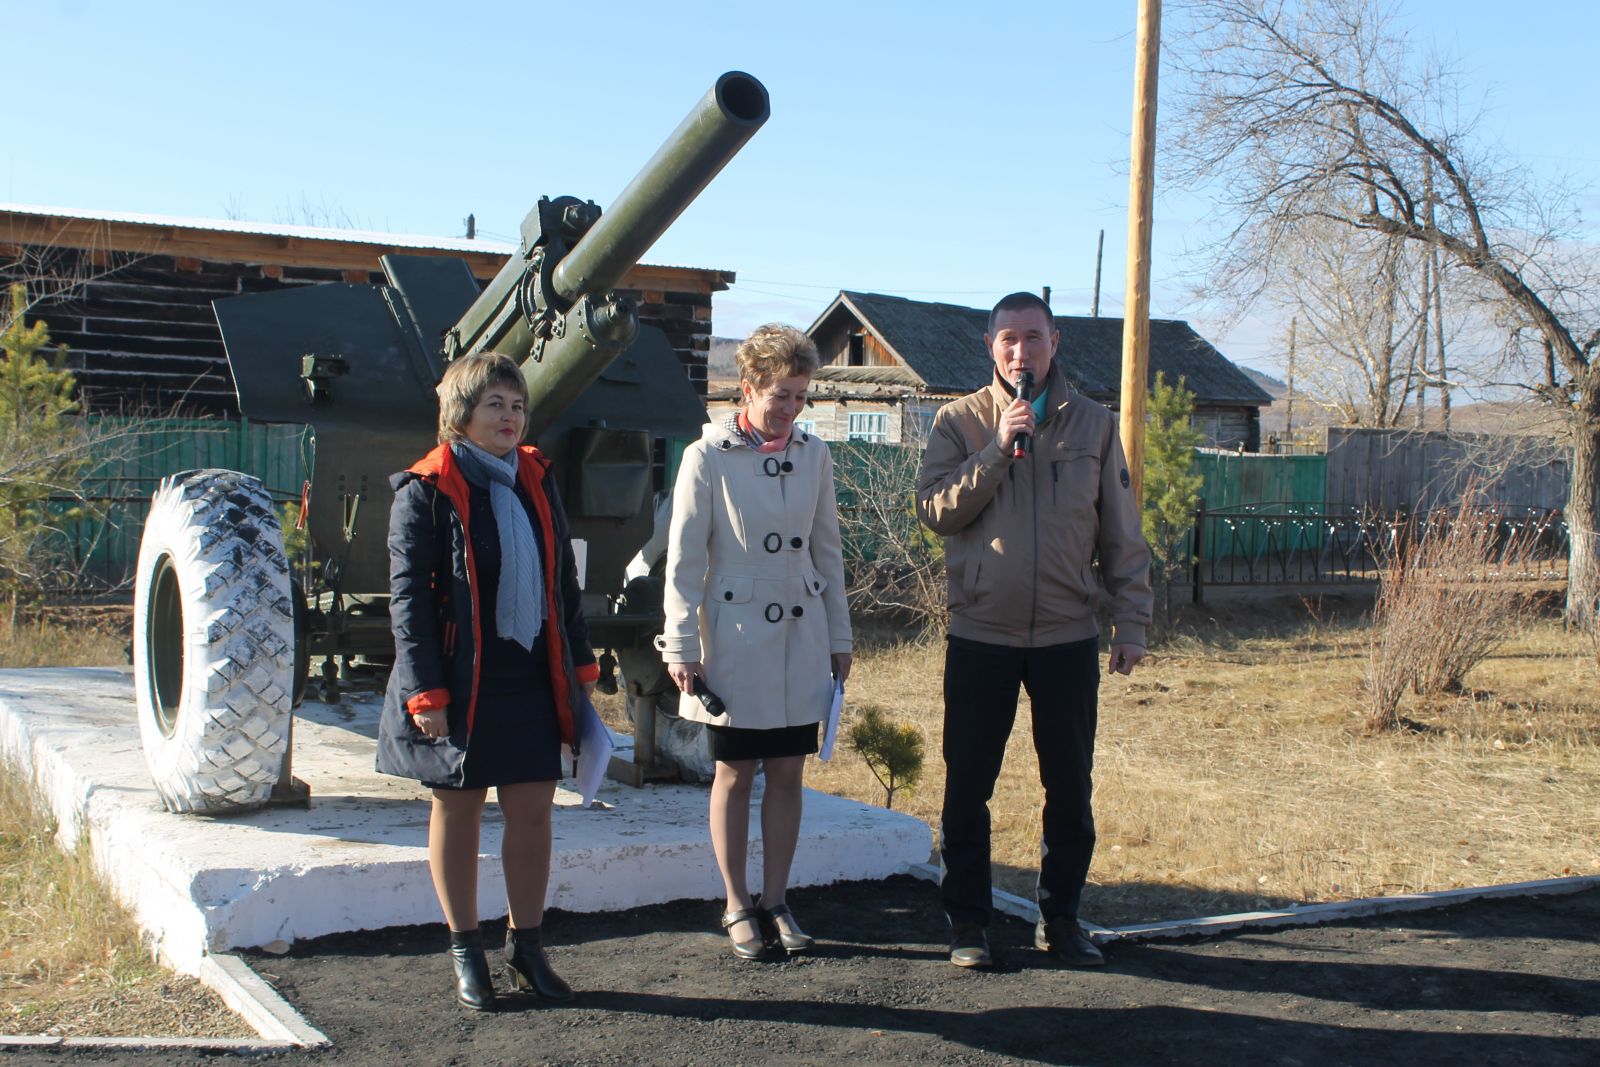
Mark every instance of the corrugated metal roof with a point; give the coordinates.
(271, 229)
(896, 375)
(309, 233)
(943, 345)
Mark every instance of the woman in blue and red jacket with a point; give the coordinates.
(492, 660)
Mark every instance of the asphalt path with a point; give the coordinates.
(1505, 981)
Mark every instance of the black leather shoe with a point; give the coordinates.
(526, 963)
(1064, 939)
(474, 988)
(969, 946)
(773, 934)
(745, 950)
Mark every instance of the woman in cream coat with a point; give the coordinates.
(755, 613)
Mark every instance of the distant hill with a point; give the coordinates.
(720, 364)
(1308, 414)
(1520, 417)
(1266, 381)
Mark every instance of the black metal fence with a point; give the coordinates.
(1297, 544)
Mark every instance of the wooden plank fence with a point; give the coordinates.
(102, 546)
(1394, 471)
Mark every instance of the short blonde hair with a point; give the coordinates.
(774, 352)
(463, 385)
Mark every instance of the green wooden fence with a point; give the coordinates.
(1241, 483)
(132, 456)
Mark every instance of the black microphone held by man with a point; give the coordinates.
(1019, 447)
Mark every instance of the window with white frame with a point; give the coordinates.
(807, 426)
(872, 426)
(918, 425)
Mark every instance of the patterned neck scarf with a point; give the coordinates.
(743, 427)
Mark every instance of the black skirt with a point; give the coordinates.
(515, 736)
(731, 744)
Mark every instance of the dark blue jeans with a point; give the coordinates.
(981, 683)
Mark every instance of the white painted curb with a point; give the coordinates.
(247, 993)
(1314, 914)
(1008, 903)
(144, 1044)
(1303, 915)
(279, 1025)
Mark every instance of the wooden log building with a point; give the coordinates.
(137, 320)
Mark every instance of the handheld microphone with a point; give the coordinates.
(713, 703)
(1019, 448)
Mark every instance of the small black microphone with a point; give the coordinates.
(713, 703)
(1024, 392)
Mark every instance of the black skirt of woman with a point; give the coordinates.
(515, 735)
(731, 744)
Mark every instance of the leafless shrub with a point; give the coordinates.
(1448, 597)
(1398, 629)
(1479, 564)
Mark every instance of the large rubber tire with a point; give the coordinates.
(213, 642)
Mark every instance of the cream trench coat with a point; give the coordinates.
(755, 579)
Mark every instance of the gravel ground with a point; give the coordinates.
(1510, 981)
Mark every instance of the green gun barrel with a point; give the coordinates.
(551, 307)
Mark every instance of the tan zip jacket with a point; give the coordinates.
(1021, 536)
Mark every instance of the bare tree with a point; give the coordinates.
(893, 565)
(1323, 111)
(1349, 293)
(50, 446)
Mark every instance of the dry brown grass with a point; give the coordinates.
(89, 639)
(71, 960)
(1235, 772)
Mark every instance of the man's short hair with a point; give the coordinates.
(463, 385)
(1020, 302)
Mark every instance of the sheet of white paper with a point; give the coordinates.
(594, 744)
(830, 729)
(580, 555)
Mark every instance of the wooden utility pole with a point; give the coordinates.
(1438, 303)
(1141, 189)
(1419, 357)
(1288, 396)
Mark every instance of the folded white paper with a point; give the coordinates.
(594, 752)
(830, 729)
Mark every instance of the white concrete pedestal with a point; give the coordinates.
(357, 859)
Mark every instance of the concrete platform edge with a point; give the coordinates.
(199, 886)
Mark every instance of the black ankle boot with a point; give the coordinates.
(474, 988)
(529, 969)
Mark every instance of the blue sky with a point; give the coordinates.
(944, 151)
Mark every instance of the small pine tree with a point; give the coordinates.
(893, 751)
(1171, 483)
(42, 452)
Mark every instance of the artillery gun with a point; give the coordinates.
(224, 634)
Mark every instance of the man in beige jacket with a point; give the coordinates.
(1025, 526)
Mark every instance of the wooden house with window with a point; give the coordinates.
(889, 363)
